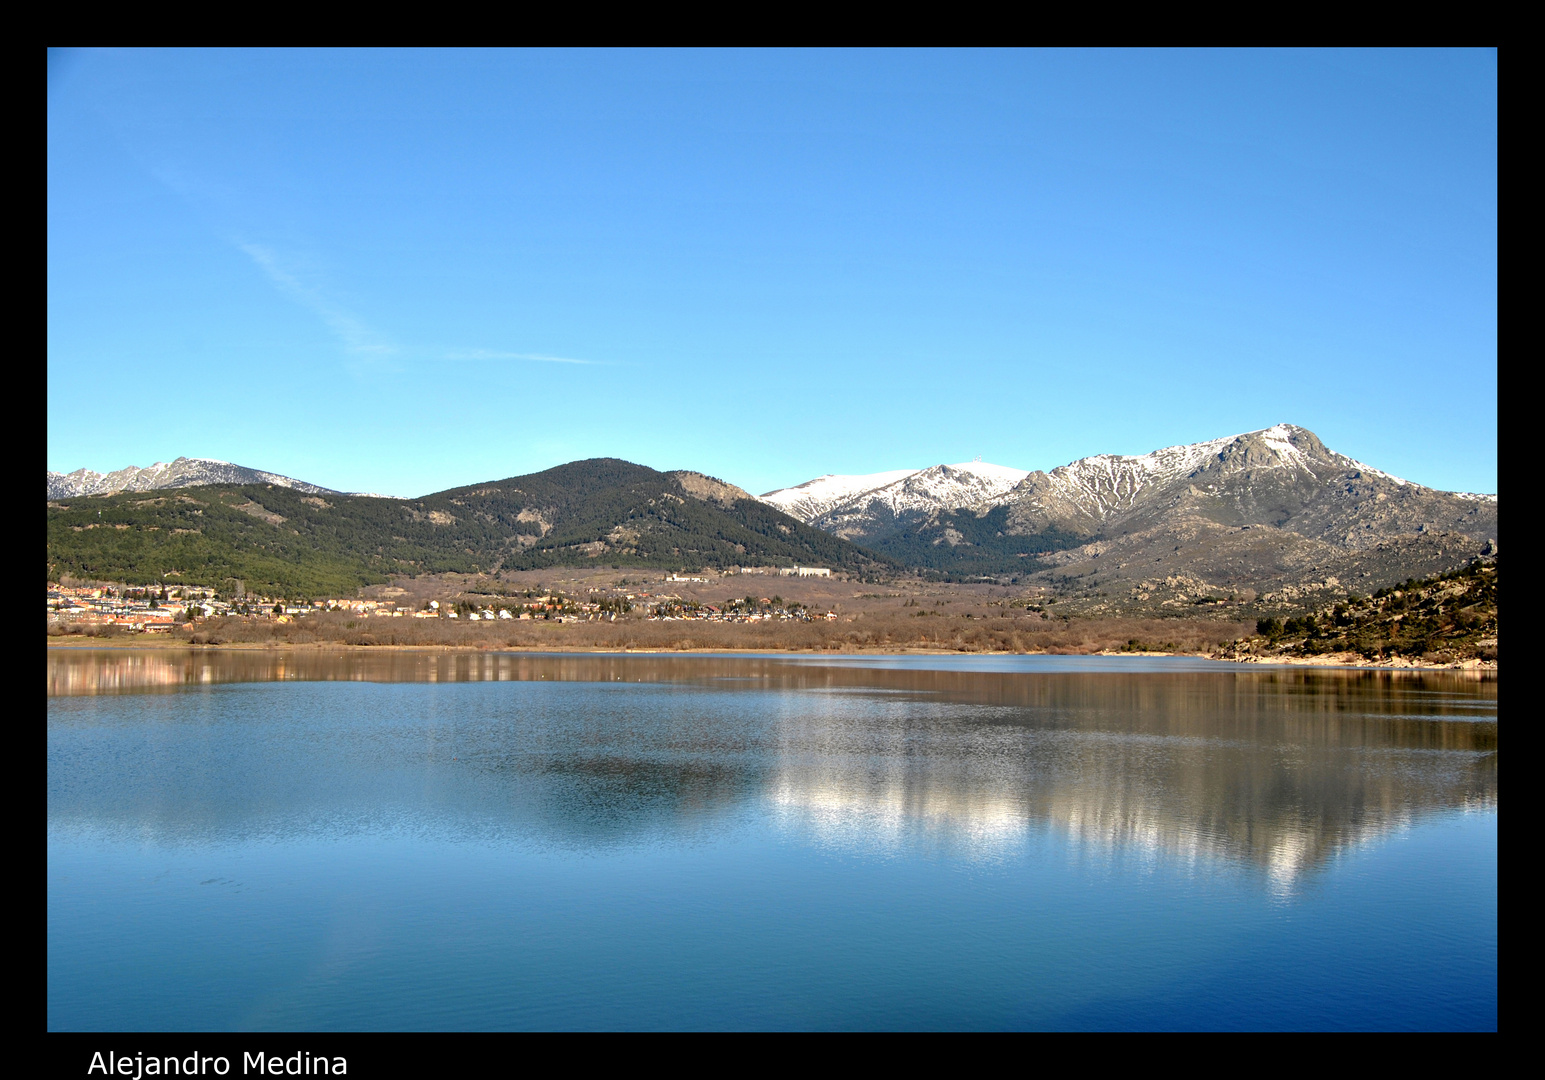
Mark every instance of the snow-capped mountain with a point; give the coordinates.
(969, 485)
(183, 472)
(1103, 487)
(812, 499)
(1107, 484)
(1199, 507)
(1281, 475)
(839, 504)
(1092, 489)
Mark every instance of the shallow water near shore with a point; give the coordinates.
(310, 840)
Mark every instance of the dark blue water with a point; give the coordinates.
(337, 843)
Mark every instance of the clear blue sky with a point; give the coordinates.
(402, 271)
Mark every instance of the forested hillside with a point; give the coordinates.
(280, 540)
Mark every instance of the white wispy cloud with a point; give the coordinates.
(353, 333)
(367, 346)
(357, 337)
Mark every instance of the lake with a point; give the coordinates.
(355, 840)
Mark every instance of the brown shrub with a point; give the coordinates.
(874, 630)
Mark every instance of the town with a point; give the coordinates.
(161, 608)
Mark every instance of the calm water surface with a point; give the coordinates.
(308, 840)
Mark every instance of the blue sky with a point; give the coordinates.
(403, 271)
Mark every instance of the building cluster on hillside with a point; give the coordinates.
(154, 609)
(553, 608)
(145, 608)
(750, 609)
(159, 608)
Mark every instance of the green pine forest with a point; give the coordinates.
(982, 545)
(279, 541)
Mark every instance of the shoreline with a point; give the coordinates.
(1353, 660)
(1335, 660)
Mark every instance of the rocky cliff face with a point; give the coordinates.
(1283, 477)
(709, 488)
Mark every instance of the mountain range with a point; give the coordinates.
(183, 472)
(1268, 510)
(1262, 509)
(285, 539)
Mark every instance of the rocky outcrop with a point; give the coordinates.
(709, 488)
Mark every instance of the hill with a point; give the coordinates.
(278, 539)
(1442, 619)
(606, 510)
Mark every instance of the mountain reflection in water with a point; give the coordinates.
(1277, 769)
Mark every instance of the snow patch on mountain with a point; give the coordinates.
(183, 472)
(988, 473)
(814, 498)
(1105, 484)
(972, 485)
(1101, 485)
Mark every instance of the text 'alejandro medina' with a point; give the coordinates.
(134, 1066)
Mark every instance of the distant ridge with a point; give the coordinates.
(1253, 510)
(1268, 511)
(1093, 489)
(901, 491)
(183, 472)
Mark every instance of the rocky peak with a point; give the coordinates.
(709, 488)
